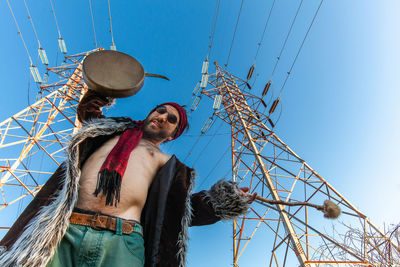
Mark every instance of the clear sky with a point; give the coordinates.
(340, 104)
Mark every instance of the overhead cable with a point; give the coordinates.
(113, 47)
(286, 39)
(234, 34)
(198, 139)
(20, 33)
(41, 51)
(55, 18)
(262, 39)
(301, 46)
(263, 34)
(94, 30)
(205, 147)
(33, 26)
(215, 166)
(211, 37)
(194, 144)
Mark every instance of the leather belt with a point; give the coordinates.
(105, 222)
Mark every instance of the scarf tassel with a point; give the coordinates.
(109, 184)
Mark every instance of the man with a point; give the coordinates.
(117, 194)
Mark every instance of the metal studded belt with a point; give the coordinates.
(104, 222)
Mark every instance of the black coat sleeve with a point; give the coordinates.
(203, 211)
(221, 202)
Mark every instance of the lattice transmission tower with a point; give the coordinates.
(33, 141)
(265, 164)
(39, 134)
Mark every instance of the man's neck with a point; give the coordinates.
(152, 142)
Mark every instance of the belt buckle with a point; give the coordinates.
(94, 221)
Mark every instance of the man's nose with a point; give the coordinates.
(163, 117)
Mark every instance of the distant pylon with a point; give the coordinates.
(265, 164)
(33, 141)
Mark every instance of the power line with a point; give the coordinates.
(55, 18)
(20, 33)
(301, 46)
(33, 26)
(111, 30)
(215, 19)
(283, 46)
(234, 34)
(286, 39)
(215, 165)
(209, 141)
(190, 150)
(198, 139)
(197, 135)
(41, 51)
(261, 40)
(263, 34)
(94, 30)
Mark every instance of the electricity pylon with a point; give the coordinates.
(265, 164)
(38, 135)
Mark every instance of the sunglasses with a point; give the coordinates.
(171, 118)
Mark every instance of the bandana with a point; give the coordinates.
(109, 178)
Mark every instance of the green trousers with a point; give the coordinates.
(83, 246)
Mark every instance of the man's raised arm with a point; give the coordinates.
(91, 104)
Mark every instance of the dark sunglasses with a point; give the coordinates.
(171, 117)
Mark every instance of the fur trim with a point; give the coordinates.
(226, 201)
(183, 236)
(37, 244)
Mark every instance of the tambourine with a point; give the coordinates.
(113, 73)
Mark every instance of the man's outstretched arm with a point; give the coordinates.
(224, 201)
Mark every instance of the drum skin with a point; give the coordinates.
(112, 73)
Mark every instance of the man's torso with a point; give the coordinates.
(143, 164)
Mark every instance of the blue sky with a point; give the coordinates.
(340, 104)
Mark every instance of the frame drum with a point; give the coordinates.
(113, 73)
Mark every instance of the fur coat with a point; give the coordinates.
(169, 210)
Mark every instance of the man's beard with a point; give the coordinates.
(151, 134)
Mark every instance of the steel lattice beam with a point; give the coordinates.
(265, 164)
(38, 136)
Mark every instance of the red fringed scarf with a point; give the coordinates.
(112, 171)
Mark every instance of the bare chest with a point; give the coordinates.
(143, 164)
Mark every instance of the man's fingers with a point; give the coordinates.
(252, 197)
(244, 189)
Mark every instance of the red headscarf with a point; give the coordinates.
(182, 117)
(110, 175)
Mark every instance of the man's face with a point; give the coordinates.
(161, 124)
